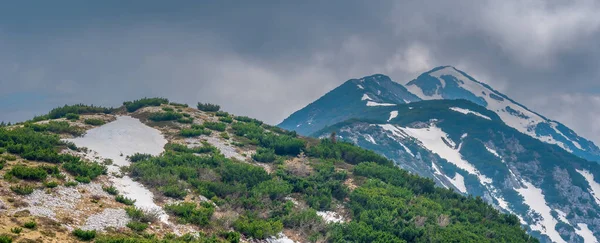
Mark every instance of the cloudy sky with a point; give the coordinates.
(270, 59)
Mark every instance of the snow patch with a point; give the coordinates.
(393, 114)
(365, 97)
(534, 197)
(118, 139)
(494, 152)
(398, 133)
(371, 103)
(467, 111)
(594, 186)
(562, 216)
(433, 138)
(586, 233)
(459, 182)
(369, 138)
(331, 217)
(280, 238)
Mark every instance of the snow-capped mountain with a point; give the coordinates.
(346, 101)
(466, 136)
(450, 83)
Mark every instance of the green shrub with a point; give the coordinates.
(248, 120)
(257, 228)
(110, 190)
(5, 239)
(186, 120)
(264, 155)
(71, 183)
(28, 173)
(9, 157)
(224, 135)
(16, 230)
(84, 235)
(226, 119)
(208, 107)
(143, 215)
(137, 226)
(73, 109)
(32, 145)
(2, 163)
(186, 115)
(178, 104)
(164, 116)
(189, 213)
(124, 200)
(274, 189)
(135, 105)
(94, 122)
(30, 224)
(72, 116)
(80, 168)
(138, 157)
(217, 126)
(51, 184)
(174, 191)
(59, 127)
(22, 189)
(194, 132)
(221, 113)
(167, 109)
(83, 179)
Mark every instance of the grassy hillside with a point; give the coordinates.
(227, 178)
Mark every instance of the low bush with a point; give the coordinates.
(6, 239)
(208, 107)
(178, 104)
(71, 183)
(226, 119)
(22, 189)
(221, 113)
(138, 157)
(248, 120)
(143, 215)
(164, 116)
(80, 168)
(194, 132)
(257, 228)
(167, 109)
(217, 126)
(94, 122)
(72, 116)
(124, 200)
(135, 105)
(58, 127)
(73, 109)
(30, 224)
(16, 230)
(190, 213)
(28, 173)
(51, 184)
(264, 155)
(84, 235)
(137, 226)
(184, 120)
(110, 190)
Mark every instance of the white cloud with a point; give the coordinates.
(414, 59)
(534, 31)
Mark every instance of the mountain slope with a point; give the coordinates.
(350, 99)
(450, 83)
(154, 171)
(474, 152)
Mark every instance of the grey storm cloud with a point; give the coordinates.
(267, 59)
